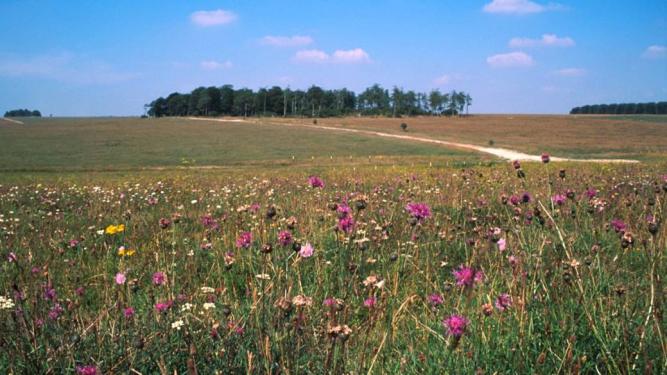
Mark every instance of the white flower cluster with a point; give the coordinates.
(209, 305)
(6, 303)
(177, 325)
(207, 289)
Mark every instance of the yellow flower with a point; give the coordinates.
(113, 229)
(122, 251)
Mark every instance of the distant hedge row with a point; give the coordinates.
(657, 108)
(23, 113)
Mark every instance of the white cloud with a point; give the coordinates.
(311, 55)
(287, 41)
(518, 7)
(443, 80)
(655, 52)
(446, 79)
(510, 60)
(570, 72)
(547, 40)
(64, 67)
(215, 65)
(207, 18)
(352, 56)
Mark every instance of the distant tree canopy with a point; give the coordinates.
(314, 102)
(657, 108)
(23, 113)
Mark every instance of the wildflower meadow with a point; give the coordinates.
(508, 268)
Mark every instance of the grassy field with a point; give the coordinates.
(116, 257)
(131, 143)
(632, 137)
(205, 273)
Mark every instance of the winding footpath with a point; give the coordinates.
(12, 120)
(499, 152)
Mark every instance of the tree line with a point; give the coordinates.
(313, 102)
(656, 108)
(23, 113)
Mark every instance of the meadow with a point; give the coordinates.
(385, 257)
(642, 137)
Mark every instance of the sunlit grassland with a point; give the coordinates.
(581, 301)
(131, 143)
(631, 137)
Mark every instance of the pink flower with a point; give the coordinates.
(244, 240)
(120, 278)
(545, 158)
(466, 276)
(618, 225)
(346, 224)
(456, 325)
(436, 299)
(164, 306)
(502, 244)
(370, 302)
(164, 223)
(558, 199)
(516, 164)
(503, 302)
(419, 211)
(55, 311)
(159, 278)
(86, 370)
(306, 250)
(315, 182)
(128, 312)
(209, 222)
(285, 238)
(591, 193)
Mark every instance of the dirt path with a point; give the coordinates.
(499, 152)
(11, 120)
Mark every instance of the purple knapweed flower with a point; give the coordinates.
(467, 276)
(128, 312)
(285, 238)
(86, 370)
(419, 211)
(526, 197)
(545, 158)
(456, 325)
(618, 225)
(55, 311)
(370, 302)
(315, 182)
(244, 240)
(346, 224)
(209, 222)
(163, 306)
(503, 302)
(49, 293)
(436, 299)
(558, 199)
(159, 278)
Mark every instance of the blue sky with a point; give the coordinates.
(78, 58)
